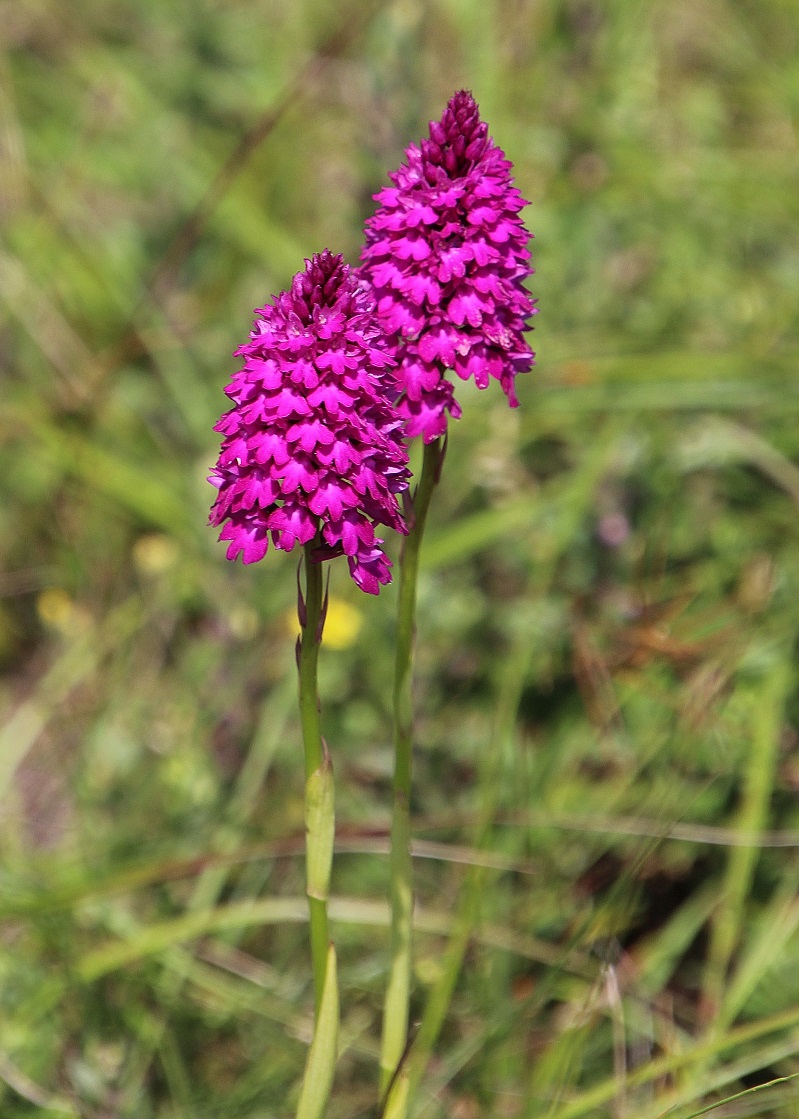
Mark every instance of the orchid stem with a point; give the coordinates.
(318, 775)
(396, 1011)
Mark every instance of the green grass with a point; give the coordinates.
(607, 759)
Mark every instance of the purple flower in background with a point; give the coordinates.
(446, 254)
(312, 444)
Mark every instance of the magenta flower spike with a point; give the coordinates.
(313, 448)
(446, 253)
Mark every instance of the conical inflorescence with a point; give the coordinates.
(447, 255)
(312, 448)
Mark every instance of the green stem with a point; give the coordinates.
(395, 1018)
(314, 752)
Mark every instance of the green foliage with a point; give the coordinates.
(606, 757)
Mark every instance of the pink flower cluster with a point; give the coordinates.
(446, 253)
(344, 365)
(312, 444)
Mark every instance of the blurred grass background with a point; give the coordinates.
(608, 760)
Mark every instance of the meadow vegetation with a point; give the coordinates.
(606, 809)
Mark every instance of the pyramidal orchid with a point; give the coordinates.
(446, 253)
(313, 454)
(338, 372)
